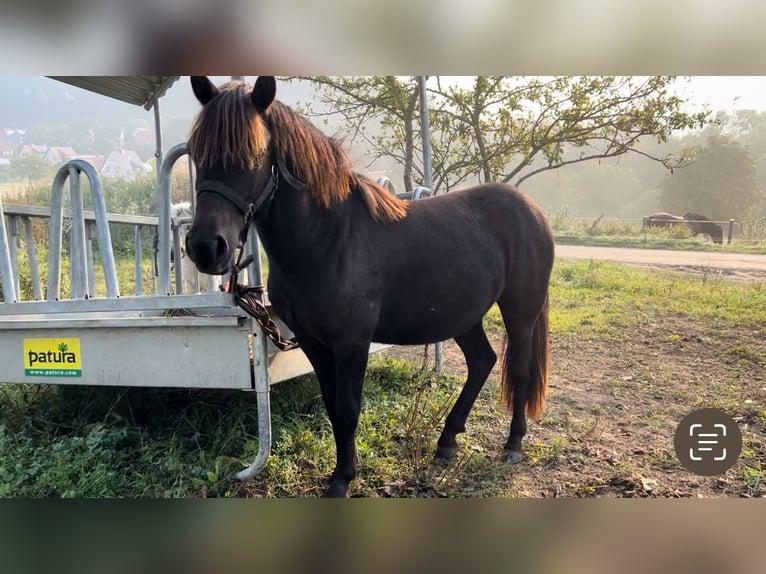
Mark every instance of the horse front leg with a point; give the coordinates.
(350, 366)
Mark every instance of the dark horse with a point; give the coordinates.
(349, 263)
(699, 224)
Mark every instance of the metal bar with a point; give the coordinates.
(164, 215)
(157, 139)
(120, 322)
(45, 212)
(217, 300)
(731, 231)
(263, 399)
(89, 234)
(6, 268)
(34, 267)
(77, 255)
(254, 270)
(13, 247)
(425, 136)
(193, 198)
(138, 248)
(102, 228)
(55, 232)
(179, 265)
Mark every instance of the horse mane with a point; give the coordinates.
(229, 130)
(323, 165)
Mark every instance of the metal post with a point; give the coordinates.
(34, 268)
(731, 231)
(102, 228)
(76, 166)
(6, 269)
(262, 389)
(178, 263)
(78, 254)
(13, 247)
(163, 230)
(425, 135)
(254, 270)
(55, 232)
(138, 247)
(90, 233)
(158, 159)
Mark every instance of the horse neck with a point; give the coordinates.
(297, 233)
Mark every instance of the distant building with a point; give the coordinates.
(125, 164)
(8, 150)
(59, 155)
(27, 149)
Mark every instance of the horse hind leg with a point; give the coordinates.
(524, 374)
(480, 359)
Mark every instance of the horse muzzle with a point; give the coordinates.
(212, 255)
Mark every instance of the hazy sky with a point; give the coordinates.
(729, 92)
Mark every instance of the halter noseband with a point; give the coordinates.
(249, 210)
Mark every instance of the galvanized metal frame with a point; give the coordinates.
(72, 170)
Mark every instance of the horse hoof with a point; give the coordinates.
(511, 456)
(445, 453)
(336, 490)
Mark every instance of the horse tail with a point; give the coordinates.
(539, 367)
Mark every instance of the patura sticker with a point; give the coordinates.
(52, 358)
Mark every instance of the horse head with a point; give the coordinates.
(229, 144)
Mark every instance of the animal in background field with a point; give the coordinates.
(703, 226)
(180, 211)
(697, 223)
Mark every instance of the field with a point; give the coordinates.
(634, 350)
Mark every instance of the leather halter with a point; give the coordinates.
(249, 210)
(262, 201)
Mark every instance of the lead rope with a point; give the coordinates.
(248, 298)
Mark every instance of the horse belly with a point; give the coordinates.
(415, 317)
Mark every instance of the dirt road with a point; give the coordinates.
(739, 266)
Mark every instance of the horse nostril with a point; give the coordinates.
(221, 247)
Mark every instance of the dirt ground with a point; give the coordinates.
(613, 407)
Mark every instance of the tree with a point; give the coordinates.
(31, 167)
(721, 183)
(507, 129)
(383, 110)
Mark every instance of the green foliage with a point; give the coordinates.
(30, 167)
(508, 129)
(720, 183)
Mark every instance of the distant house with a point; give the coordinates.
(27, 149)
(59, 155)
(125, 164)
(97, 161)
(7, 150)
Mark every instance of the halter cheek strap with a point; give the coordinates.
(249, 210)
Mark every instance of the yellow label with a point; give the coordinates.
(52, 358)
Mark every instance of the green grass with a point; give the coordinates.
(601, 297)
(105, 442)
(608, 233)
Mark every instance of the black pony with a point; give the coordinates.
(349, 263)
(703, 226)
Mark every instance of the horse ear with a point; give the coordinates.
(263, 93)
(203, 88)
